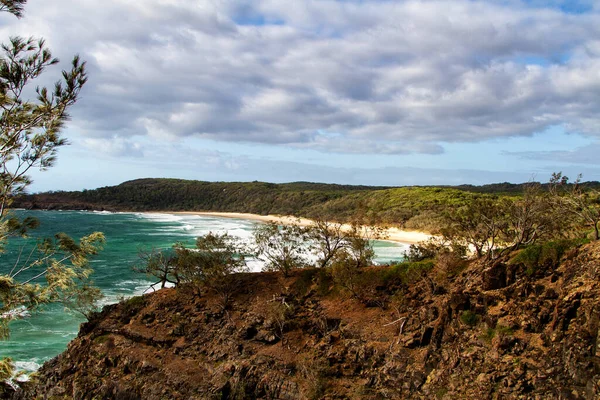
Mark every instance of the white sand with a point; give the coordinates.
(392, 234)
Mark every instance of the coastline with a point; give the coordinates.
(392, 234)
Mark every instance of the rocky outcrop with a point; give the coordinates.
(488, 332)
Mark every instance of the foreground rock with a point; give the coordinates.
(489, 332)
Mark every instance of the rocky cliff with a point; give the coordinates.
(490, 331)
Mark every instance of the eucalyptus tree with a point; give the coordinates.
(212, 264)
(282, 248)
(478, 225)
(329, 239)
(572, 199)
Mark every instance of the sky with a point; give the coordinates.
(340, 91)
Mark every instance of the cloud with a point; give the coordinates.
(380, 76)
(114, 146)
(581, 155)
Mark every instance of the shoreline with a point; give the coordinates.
(396, 235)
(392, 234)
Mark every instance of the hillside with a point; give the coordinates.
(497, 332)
(413, 207)
(178, 194)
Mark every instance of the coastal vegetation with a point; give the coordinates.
(489, 281)
(434, 328)
(418, 208)
(501, 303)
(508, 278)
(281, 248)
(528, 230)
(207, 266)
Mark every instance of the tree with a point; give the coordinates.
(30, 135)
(530, 218)
(160, 264)
(211, 264)
(281, 248)
(215, 256)
(348, 266)
(30, 131)
(222, 257)
(359, 247)
(56, 270)
(14, 7)
(329, 238)
(478, 225)
(574, 200)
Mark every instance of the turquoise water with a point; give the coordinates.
(45, 334)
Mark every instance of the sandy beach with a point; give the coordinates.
(392, 234)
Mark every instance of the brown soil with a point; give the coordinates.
(528, 337)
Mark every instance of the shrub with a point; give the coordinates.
(425, 250)
(281, 248)
(450, 258)
(374, 286)
(304, 281)
(488, 335)
(499, 330)
(278, 316)
(362, 283)
(324, 281)
(406, 273)
(545, 255)
(134, 303)
(315, 370)
(469, 318)
(448, 265)
(504, 330)
(211, 265)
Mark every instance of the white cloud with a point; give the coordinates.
(389, 77)
(578, 156)
(114, 146)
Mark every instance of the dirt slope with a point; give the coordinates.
(490, 332)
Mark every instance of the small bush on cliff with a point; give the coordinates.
(315, 371)
(348, 274)
(324, 281)
(425, 250)
(305, 281)
(499, 330)
(345, 273)
(208, 266)
(469, 318)
(406, 273)
(546, 255)
(349, 263)
(278, 316)
(211, 264)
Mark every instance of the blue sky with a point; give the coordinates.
(361, 92)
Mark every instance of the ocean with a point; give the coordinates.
(45, 334)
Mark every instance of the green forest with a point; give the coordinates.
(415, 207)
